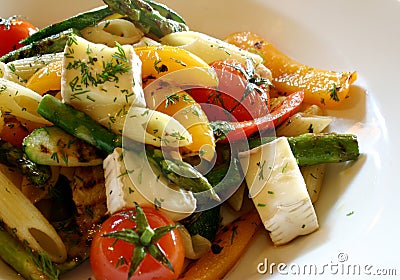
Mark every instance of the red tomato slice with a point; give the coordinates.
(12, 31)
(234, 100)
(111, 258)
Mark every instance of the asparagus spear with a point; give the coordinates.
(18, 257)
(181, 173)
(78, 124)
(166, 11)
(78, 22)
(31, 265)
(317, 148)
(15, 157)
(311, 149)
(52, 44)
(146, 17)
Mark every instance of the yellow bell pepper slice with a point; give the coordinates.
(321, 87)
(157, 61)
(182, 107)
(46, 79)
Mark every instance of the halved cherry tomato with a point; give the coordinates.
(13, 131)
(12, 31)
(238, 98)
(111, 258)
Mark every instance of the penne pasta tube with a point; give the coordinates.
(313, 176)
(236, 200)
(195, 246)
(20, 101)
(309, 120)
(27, 223)
(145, 41)
(110, 31)
(312, 109)
(147, 126)
(301, 123)
(22, 69)
(2, 69)
(209, 48)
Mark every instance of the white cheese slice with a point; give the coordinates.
(278, 191)
(130, 179)
(99, 80)
(106, 84)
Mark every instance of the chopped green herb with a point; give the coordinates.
(333, 93)
(350, 213)
(285, 167)
(171, 99)
(43, 262)
(234, 233)
(261, 170)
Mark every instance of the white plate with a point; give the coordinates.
(362, 35)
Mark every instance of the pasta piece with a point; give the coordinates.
(276, 101)
(2, 69)
(309, 120)
(145, 42)
(301, 123)
(7, 71)
(313, 176)
(20, 101)
(21, 70)
(110, 31)
(236, 200)
(147, 126)
(209, 48)
(195, 246)
(28, 224)
(312, 109)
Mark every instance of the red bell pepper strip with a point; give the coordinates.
(245, 129)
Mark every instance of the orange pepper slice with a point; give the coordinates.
(321, 87)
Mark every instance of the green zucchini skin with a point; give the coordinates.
(53, 146)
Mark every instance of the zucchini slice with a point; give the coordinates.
(53, 146)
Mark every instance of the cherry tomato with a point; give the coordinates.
(110, 258)
(236, 98)
(12, 31)
(13, 131)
